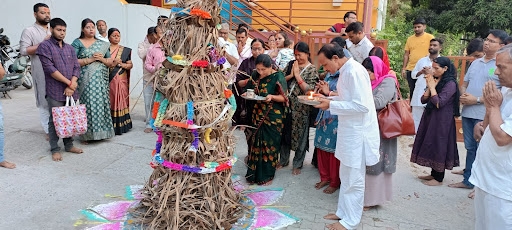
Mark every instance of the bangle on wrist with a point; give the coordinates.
(329, 93)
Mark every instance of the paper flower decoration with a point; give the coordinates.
(201, 13)
(177, 57)
(221, 61)
(228, 93)
(200, 63)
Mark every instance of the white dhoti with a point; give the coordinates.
(492, 212)
(39, 82)
(417, 112)
(351, 198)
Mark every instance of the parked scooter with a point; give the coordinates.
(18, 72)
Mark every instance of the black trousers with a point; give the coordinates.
(411, 82)
(438, 176)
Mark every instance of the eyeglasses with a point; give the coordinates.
(223, 32)
(491, 41)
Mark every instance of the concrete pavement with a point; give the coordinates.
(42, 194)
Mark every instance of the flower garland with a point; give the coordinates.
(204, 168)
(190, 121)
(159, 98)
(201, 13)
(161, 112)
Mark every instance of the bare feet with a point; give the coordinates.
(148, 130)
(331, 216)
(7, 165)
(471, 195)
(321, 184)
(56, 157)
(47, 137)
(75, 150)
(267, 184)
(432, 182)
(279, 167)
(84, 142)
(296, 171)
(429, 177)
(336, 226)
(330, 190)
(458, 185)
(460, 172)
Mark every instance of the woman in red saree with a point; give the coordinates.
(120, 83)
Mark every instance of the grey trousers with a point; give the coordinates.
(300, 154)
(54, 139)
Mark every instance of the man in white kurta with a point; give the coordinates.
(492, 170)
(358, 139)
(31, 37)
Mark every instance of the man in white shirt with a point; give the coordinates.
(146, 75)
(358, 139)
(101, 25)
(244, 49)
(230, 48)
(361, 45)
(30, 39)
(492, 170)
(418, 73)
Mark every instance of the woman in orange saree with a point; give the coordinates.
(120, 83)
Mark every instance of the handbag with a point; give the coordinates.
(396, 118)
(70, 120)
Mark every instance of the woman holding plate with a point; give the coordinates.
(267, 118)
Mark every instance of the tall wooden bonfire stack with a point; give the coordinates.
(175, 197)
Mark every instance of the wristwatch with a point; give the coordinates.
(478, 100)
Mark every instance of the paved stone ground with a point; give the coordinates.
(42, 194)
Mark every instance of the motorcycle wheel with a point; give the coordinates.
(27, 81)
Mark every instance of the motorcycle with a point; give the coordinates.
(18, 72)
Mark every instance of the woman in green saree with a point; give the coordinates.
(267, 118)
(93, 83)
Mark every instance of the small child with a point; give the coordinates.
(285, 55)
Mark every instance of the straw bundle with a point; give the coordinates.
(180, 199)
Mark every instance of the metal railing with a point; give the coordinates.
(286, 15)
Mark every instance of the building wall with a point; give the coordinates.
(320, 20)
(131, 19)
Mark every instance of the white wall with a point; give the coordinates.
(131, 19)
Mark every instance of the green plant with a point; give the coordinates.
(396, 32)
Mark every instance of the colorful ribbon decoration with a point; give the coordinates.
(204, 168)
